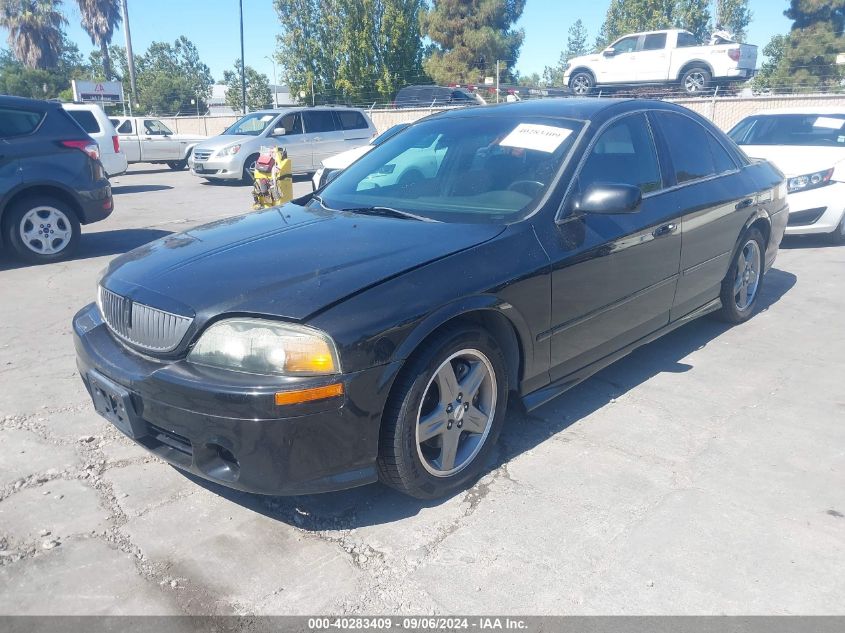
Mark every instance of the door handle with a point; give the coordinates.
(666, 229)
(744, 204)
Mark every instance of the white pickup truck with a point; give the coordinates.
(148, 140)
(662, 57)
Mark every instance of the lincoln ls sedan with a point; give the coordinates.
(368, 332)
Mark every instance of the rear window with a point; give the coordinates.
(125, 127)
(14, 122)
(686, 40)
(87, 121)
(351, 120)
(654, 42)
(815, 130)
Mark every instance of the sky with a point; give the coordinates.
(212, 25)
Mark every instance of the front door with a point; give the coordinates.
(614, 276)
(157, 141)
(619, 67)
(296, 145)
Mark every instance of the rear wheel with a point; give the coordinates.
(41, 229)
(444, 414)
(741, 286)
(696, 80)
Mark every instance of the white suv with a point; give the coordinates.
(94, 121)
(309, 134)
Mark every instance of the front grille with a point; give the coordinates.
(145, 327)
(804, 218)
(201, 155)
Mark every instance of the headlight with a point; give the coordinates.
(810, 181)
(258, 346)
(229, 151)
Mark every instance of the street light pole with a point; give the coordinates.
(243, 73)
(275, 91)
(497, 81)
(129, 57)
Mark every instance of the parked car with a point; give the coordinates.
(662, 57)
(97, 125)
(51, 180)
(434, 96)
(148, 140)
(308, 134)
(378, 333)
(808, 145)
(332, 165)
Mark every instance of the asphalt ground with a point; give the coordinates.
(702, 474)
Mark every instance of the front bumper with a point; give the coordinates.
(225, 427)
(95, 203)
(225, 168)
(817, 210)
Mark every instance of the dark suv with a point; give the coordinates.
(428, 96)
(51, 180)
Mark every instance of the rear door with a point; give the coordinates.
(715, 199)
(613, 276)
(356, 130)
(322, 132)
(126, 135)
(652, 63)
(16, 140)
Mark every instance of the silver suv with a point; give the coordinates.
(309, 134)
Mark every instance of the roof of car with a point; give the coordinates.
(571, 108)
(24, 102)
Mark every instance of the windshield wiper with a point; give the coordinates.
(388, 212)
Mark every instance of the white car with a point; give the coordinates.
(148, 140)
(333, 165)
(94, 121)
(666, 57)
(808, 145)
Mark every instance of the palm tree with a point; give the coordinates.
(35, 31)
(99, 19)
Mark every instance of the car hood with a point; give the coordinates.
(797, 160)
(345, 159)
(288, 261)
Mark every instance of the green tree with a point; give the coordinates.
(169, 76)
(576, 45)
(258, 94)
(40, 83)
(35, 31)
(733, 16)
(770, 75)
(99, 19)
(468, 36)
(631, 16)
(349, 50)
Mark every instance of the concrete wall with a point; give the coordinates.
(724, 111)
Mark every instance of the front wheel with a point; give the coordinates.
(582, 83)
(838, 235)
(177, 165)
(248, 176)
(741, 286)
(444, 414)
(41, 229)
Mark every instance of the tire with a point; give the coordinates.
(696, 80)
(419, 467)
(838, 234)
(177, 165)
(27, 220)
(745, 268)
(582, 83)
(249, 167)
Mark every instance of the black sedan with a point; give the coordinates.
(376, 329)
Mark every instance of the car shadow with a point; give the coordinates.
(377, 504)
(118, 189)
(791, 242)
(239, 183)
(152, 170)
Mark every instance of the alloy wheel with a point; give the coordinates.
(694, 82)
(580, 85)
(45, 230)
(747, 277)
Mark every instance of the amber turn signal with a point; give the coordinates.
(309, 395)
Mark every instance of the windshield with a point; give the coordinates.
(819, 130)
(251, 125)
(485, 169)
(389, 133)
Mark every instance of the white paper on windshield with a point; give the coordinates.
(829, 122)
(543, 138)
(267, 117)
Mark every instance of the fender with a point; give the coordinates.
(759, 214)
(36, 185)
(692, 63)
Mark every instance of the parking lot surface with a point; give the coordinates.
(703, 474)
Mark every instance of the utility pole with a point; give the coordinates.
(129, 57)
(497, 81)
(243, 73)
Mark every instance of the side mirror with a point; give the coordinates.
(279, 131)
(609, 199)
(609, 51)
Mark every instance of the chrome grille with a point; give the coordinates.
(201, 155)
(145, 327)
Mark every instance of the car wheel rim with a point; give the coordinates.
(250, 170)
(456, 413)
(694, 82)
(747, 278)
(580, 85)
(45, 230)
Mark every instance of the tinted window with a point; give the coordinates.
(626, 44)
(292, 124)
(125, 127)
(655, 42)
(318, 121)
(15, 122)
(819, 130)
(686, 39)
(689, 147)
(87, 121)
(721, 159)
(459, 95)
(623, 154)
(351, 120)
